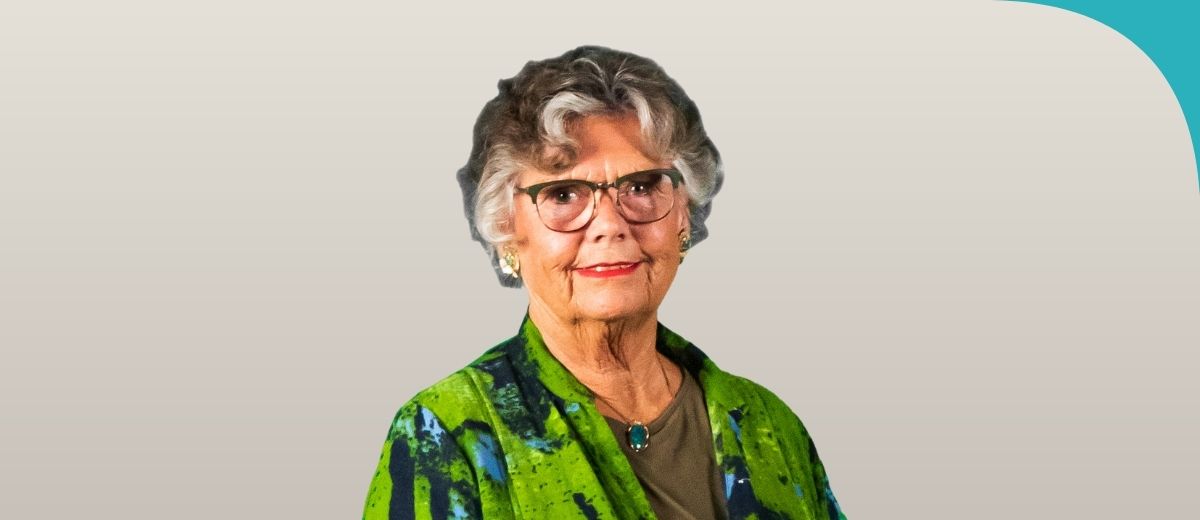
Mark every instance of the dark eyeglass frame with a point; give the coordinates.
(534, 189)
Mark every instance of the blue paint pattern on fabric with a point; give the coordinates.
(540, 444)
(487, 458)
(835, 509)
(430, 425)
(585, 506)
(737, 429)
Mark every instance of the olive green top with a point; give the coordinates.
(678, 469)
(516, 435)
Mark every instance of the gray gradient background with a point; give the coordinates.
(960, 239)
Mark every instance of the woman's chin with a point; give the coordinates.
(613, 308)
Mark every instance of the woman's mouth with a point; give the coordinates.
(607, 270)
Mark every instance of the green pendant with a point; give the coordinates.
(638, 435)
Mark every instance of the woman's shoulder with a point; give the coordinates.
(458, 398)
(737, 394)
(754, 395)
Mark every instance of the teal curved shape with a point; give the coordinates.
(1164, 30)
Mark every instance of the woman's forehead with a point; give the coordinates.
(607, 147)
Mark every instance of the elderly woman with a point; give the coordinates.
(590, 178)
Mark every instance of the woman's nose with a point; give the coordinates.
(607, 220)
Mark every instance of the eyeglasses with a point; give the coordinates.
(569, 204)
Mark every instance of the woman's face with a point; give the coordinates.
(559, 268)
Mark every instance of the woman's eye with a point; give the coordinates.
(562, 195)
(642, 185)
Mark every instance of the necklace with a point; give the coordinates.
(636, 434)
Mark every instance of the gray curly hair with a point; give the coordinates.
(528, 125)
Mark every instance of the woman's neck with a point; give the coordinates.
(617, 360)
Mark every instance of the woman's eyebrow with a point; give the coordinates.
(542, 177)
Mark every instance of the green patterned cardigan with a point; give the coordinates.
(515, 435)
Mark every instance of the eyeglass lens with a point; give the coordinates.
(642, 197)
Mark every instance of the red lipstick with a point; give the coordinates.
(607, 270)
